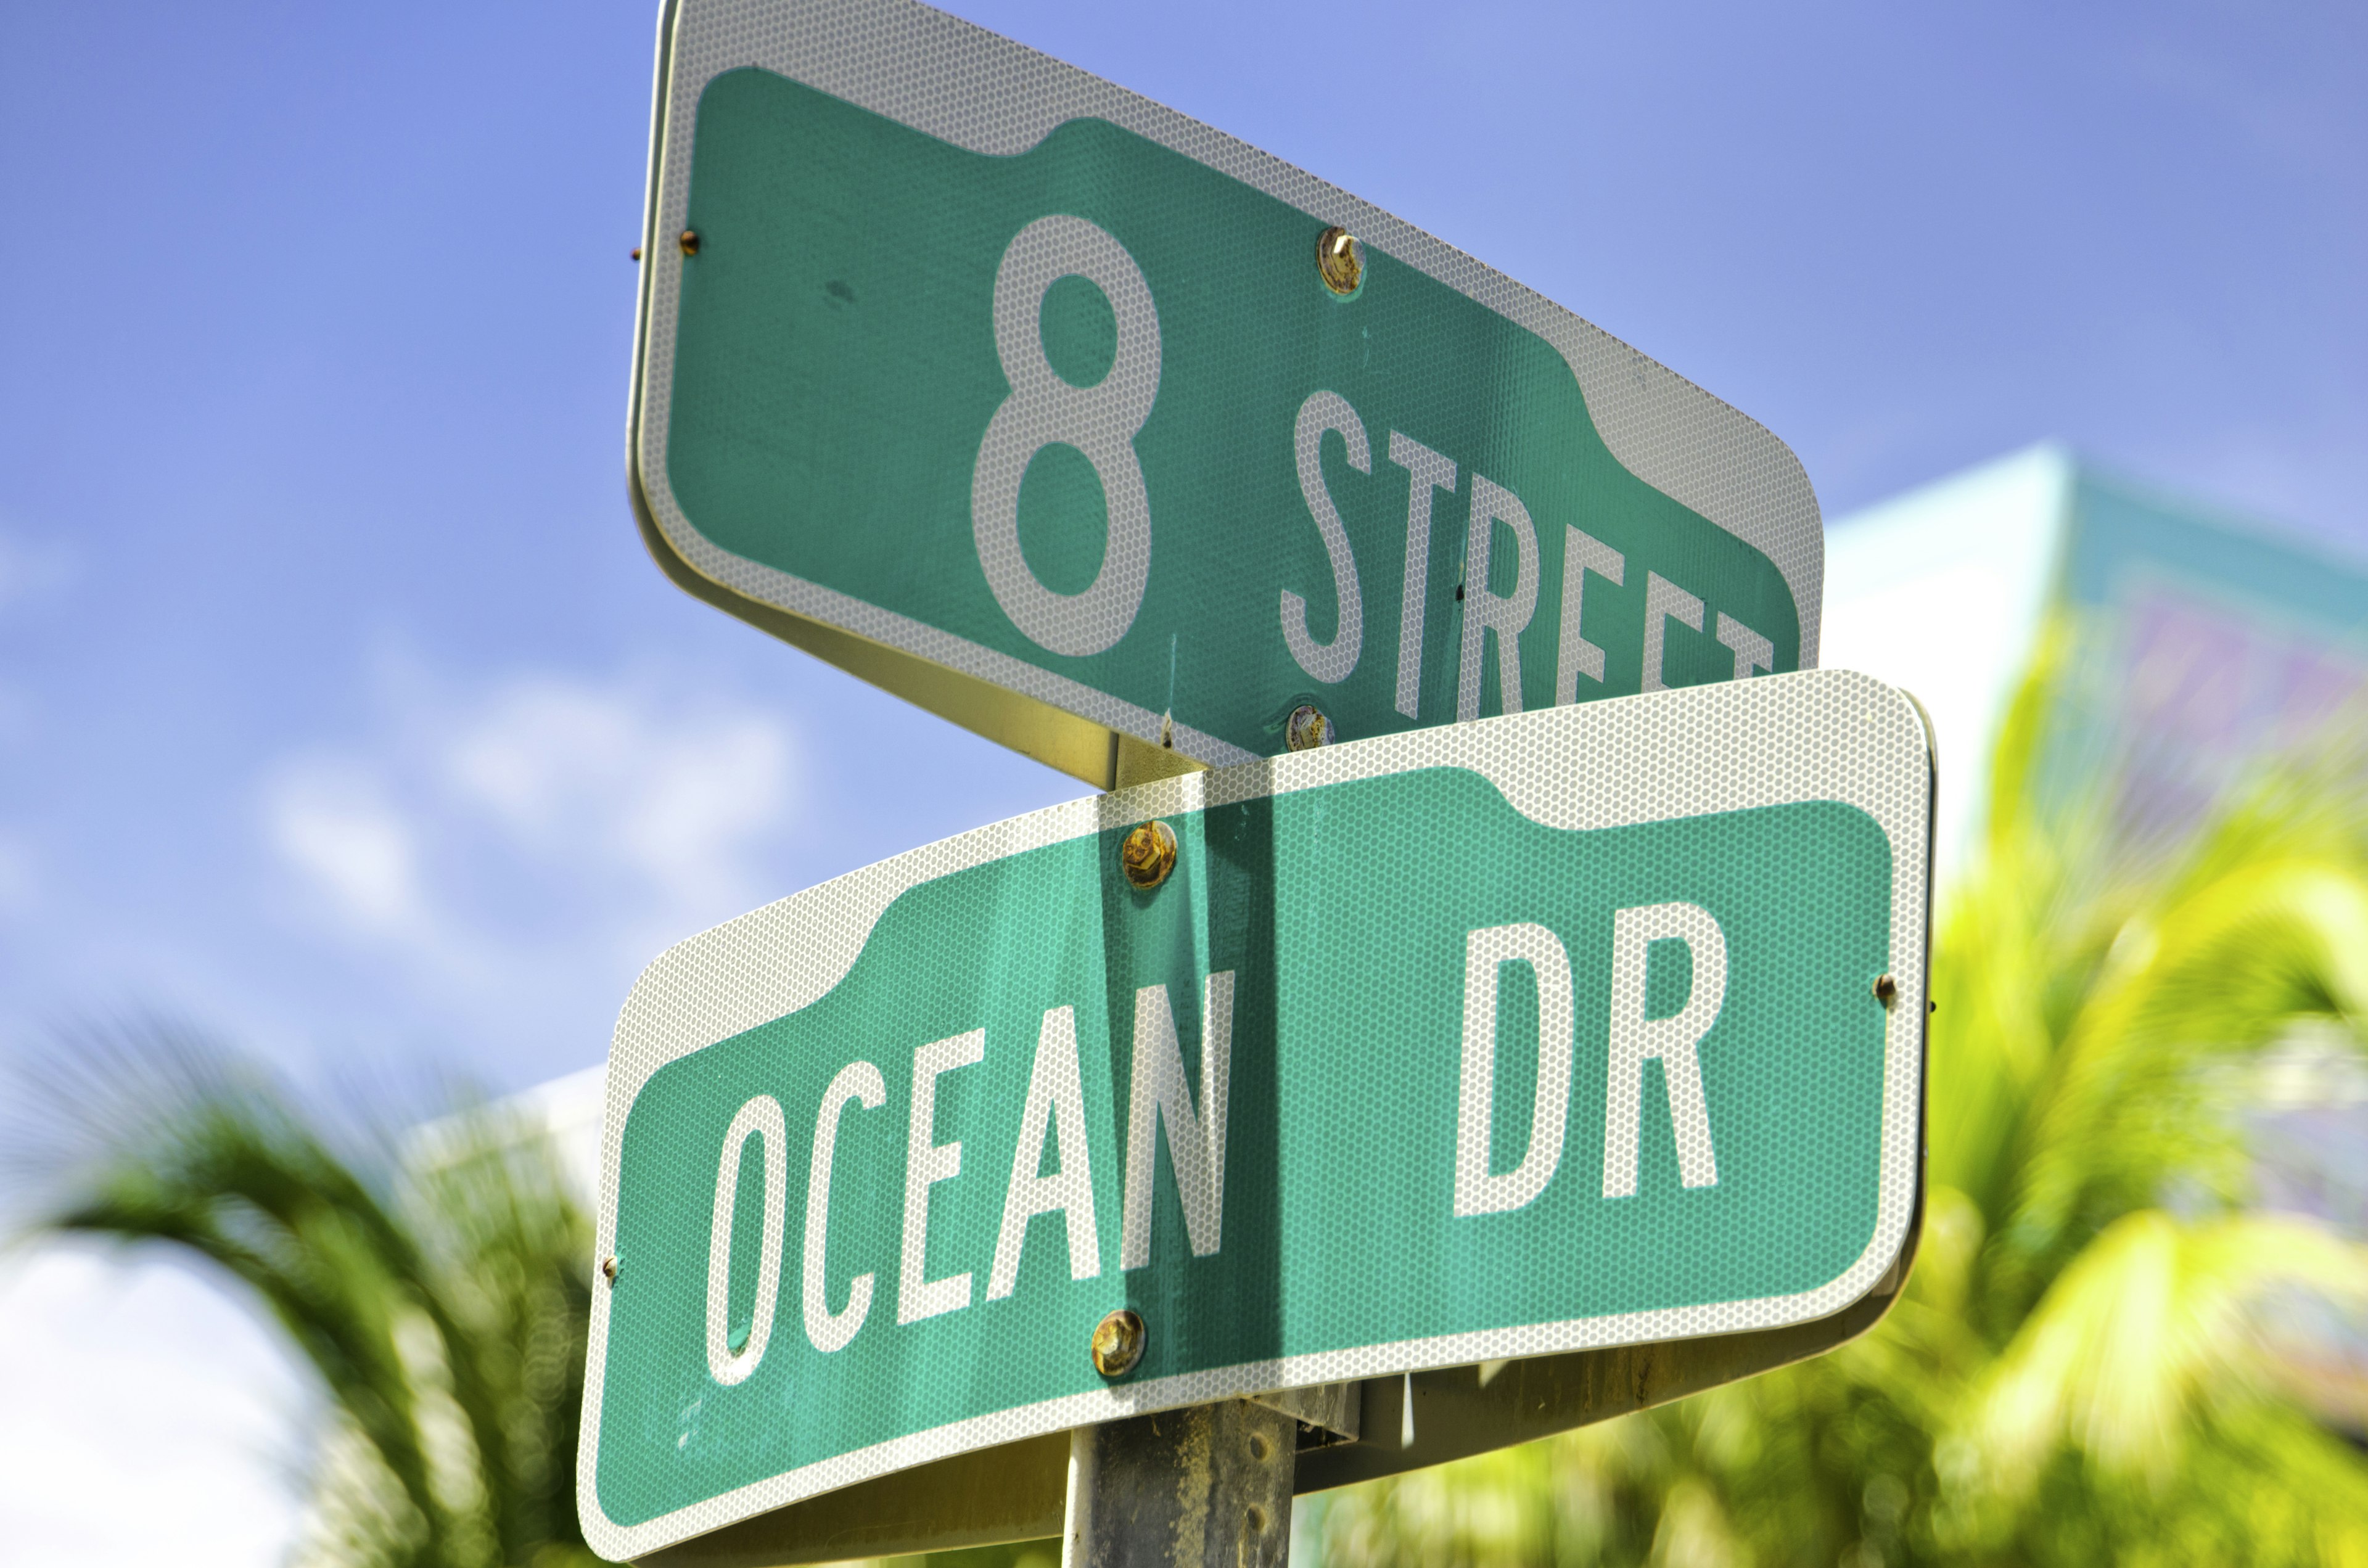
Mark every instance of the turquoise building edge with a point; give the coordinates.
(2202, 644)
(2204, 641)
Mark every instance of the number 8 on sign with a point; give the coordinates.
(1099, 421)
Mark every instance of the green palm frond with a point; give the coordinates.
(442, 1309)
(2147, 1333)
(2126, 1110)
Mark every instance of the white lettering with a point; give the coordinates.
(1486, 611)
(1664, 600)
(829, 1331)
(1101, 420)
(926, 1163)
(1636, 1039)
(1752, 652)
(1328, 661)
(1196, 1144)
(1426, 472)
(1582, 553)
(759, 1118)
(1055, 1096)
(1485, 951)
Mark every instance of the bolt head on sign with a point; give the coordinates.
(1493, 1041)
(1119, 441)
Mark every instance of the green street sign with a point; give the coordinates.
(1511, 1039)
(1119, 441)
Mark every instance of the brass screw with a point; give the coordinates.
(1307, 729)
(690, 242)
(1886, 990)
(1147, 855)
(609, 1269)
(1119, 1340)
(1339, 260)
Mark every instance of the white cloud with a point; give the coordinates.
(330, 821)
(147, 1419)
(515, 836)
(669, 795)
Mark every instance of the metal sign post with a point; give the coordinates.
(1132, 447)
(1207, 1484)
(1465, 1082)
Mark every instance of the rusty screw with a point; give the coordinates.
(1147, 855)
(1307, 729)
(690, 242)
(1886, 990)
(1339, 261)
(609, 1269)
(1119, 1340)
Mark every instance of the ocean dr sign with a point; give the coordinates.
(1097, 430)
(1492, 1040)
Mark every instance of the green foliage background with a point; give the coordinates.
(2076, 1372)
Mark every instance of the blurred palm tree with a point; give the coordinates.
(2076, 1371)
(438, 1287)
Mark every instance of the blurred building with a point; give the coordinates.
(2203, 642)
(2199, 645)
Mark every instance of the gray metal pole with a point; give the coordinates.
(1195, 1488)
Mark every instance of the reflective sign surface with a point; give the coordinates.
(1040, 404)
(1493, 1040)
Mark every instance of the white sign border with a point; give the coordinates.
(1774, 740)
(978, 90)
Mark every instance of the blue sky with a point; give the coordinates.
(341, 711)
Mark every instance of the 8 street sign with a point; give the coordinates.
(1489, 1041)
(1095, 430)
